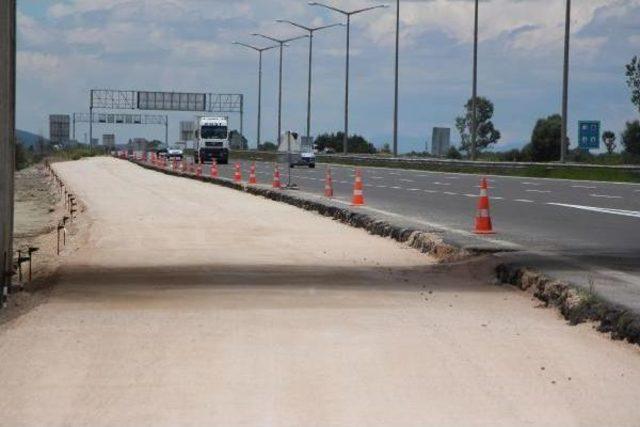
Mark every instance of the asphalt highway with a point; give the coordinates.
(585, 232)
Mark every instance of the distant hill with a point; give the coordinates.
(27, 139)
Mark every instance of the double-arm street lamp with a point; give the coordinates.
(311, 31)
(282, 43)
(348, 14)
(260, 50)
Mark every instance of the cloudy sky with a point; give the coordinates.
(67, 47)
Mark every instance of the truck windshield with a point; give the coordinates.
(213, 132)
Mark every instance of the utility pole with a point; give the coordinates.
(565, 84)
(282, 44)
(7, 140)
(311, 31)
(397, 71)
(260, 52)
(474, 96)
(348, 15)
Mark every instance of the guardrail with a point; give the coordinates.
(625, 173)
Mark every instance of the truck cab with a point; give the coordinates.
(212, 140)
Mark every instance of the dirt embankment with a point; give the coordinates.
(39, 208)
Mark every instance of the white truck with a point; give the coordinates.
(296, 150)
(212, 140)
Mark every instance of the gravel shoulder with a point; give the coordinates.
(190, 304)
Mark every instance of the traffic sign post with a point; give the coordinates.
(589, 135)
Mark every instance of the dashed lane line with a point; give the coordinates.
(621, 212)
(539, 191)
(584, 186)
(450, 193)
(524, 201)
(406, 180)
(604, 196)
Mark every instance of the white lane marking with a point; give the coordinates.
(413, 189)
(396, 188)
(502, 243)
(441, 183)
(393, 173)
(407, 180)
(449, 193)
(451, 177)
(430, 191)
(605, 196)
(381, 186)
(538, 191)
(530, 183)
(376, 177)
(472, 195)
(584, 186)
(496, 198)
(524, 201)
(622, 212)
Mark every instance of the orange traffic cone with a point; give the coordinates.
(328, 184)
(214, 169)
(358, 195)
(483, 218)
(276, 179)
(252, 175)
(237, 177)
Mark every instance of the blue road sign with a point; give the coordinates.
(589, 135)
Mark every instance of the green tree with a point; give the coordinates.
(486, 132)
(609, 140)
(21, 156)
(633, 80)
(357, 144)
(631, 138)
(544, 139)
(454, 154)
(268, 146)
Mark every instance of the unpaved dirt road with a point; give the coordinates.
(194, 305)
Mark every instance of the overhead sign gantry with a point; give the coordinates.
(109, 99)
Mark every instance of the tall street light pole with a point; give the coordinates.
(282, 44)
(260, 52)
(474, 96)
(311, 31)
(397, 78)
(348, 14)
(565, 84)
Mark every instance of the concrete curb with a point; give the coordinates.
(576, 305)
(428, 243)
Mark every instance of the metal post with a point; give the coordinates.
(91, 119)
(309, 86)
(395, 109)
(474, 97)
(242, 121)
(74, 126)
(345, 140)
(259, 97)
(166, 131)
(280, 95)
(565, 84)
